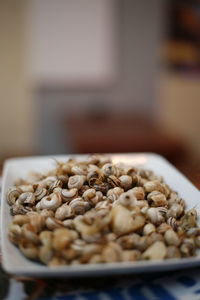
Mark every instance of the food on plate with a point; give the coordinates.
(95, 211)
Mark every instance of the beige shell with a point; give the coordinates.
(79, 169)
(173, 252)
(125, 182)
(156, 251)
(63, 212)
(28, 249)
(18, 209)
(163, 228)
(109, 169)
(122, 222)
(149, 228)
(79, 206)
(172, 238)
(47, 213)
(20, 219)
(26, 198)
(37, 221)
(76, 181)
(113, 181)
(154, 185)
(189, 220)
(173, 223)
(157, 198)
(112, 252)
(175, 211)
(15, 233)
(45, 254)
(52, 223)
(130, 255)
(52, 201)
(46, 238)
(155, 216)
(29, 234)
(129, 241)
(69, 254)
(62, 238)
(40, 193)
(114, 193)
(69, 195)
(139, 192)
(12, 195)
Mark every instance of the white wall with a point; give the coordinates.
(71, 43)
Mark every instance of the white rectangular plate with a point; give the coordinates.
(14, 262)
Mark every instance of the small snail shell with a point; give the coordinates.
(76, 181)
(79, 206)
(163, 228)
(89, 194)
(155, 236)
(173, 223)
(127, 199)
(139, 192)
(68, 195)
(46, 238)
(12, 195)
(109, 169)
(154, 185)
(113, 181)
(149, 228)
(187, 249)
(37, 221)
(131, 255)
(57, 184)
(172, 238)
(173, 252)
(18, 209)
(27, 198)
(79, 169)
(29, 234)
(46, 213)
(125, 182)
(175, 211)
(52, 223)
(157, 198)
(112, 252)
(15, 233)
(20, 219)
(45, 254)
(197, 241)
(40, 193)
(28, 249)
(63, 212)
(48, 181)
(113, 194)
(52, 201)
(155, 216)
(156, 251)
(62, 237)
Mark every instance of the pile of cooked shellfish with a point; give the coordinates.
(95, 211)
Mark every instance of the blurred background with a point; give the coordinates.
(83, 76)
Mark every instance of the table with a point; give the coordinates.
(174, 285)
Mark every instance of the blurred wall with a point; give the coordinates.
(16, 107)
(29, 117)
(178, 103)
